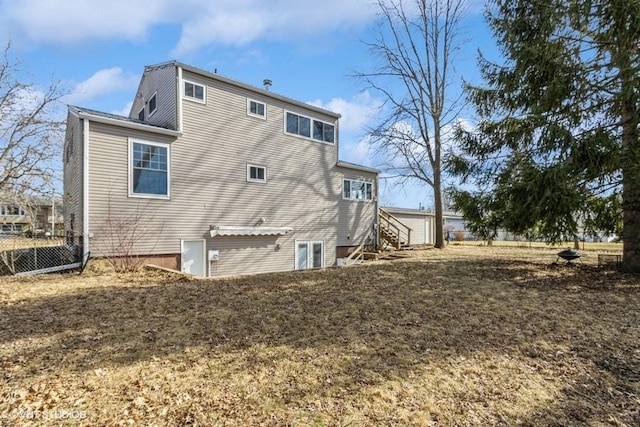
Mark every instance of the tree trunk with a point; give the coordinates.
(437, 197)
(630, 189)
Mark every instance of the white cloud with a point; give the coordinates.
(101, 83)
(203, 22)
(124, 111)
(357, 113)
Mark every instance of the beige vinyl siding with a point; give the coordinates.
(162, 82)
(209, 186)
(73, 176)
(356, 217)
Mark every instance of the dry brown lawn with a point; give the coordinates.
(463, 336)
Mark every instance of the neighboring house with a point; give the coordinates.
(36, 215)
(215, 177)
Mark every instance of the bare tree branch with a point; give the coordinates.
(416, 41)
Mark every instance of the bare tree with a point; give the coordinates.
(415, 43)
(121, 236)
(30, 132)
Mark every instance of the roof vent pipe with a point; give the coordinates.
(267, 84)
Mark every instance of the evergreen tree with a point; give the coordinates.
(557, 140)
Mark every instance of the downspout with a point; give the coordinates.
(179, 99)
(85, 191)
(376, 220)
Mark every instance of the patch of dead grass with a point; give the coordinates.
(462, 336)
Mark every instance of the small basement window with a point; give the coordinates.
(256, 173)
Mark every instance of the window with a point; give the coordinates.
(323, 131)
(309, 254)
(153, 104)
(256, 109)
(11, 210)
(301, 125)
(256, 173)
(357, 190)
(11, 228)
(149, 169)
(298, 125)
(194, 91)
(141, 114)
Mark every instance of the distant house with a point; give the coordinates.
(215, 177)
(31, 215)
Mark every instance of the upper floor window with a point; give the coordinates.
(357, 190)
(298, 125)
(256, 173)
(301, 125)
(11, 210)
(153, 104)
(149, 169)
(141, 114)
(194, 91)
(256, 109)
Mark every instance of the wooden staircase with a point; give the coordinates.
(393, 232)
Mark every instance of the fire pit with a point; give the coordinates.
(568, 255)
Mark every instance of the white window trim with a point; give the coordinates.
(193, 98)
(155, 95)
(310, 244)
(4, 209)
(130, 172)
(249, 113)
(310, 137)
(249, 179)
(351, 199)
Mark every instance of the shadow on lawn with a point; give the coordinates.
(394, 317)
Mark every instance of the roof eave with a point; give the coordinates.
(126, 124)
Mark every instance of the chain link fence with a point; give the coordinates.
(20, 255)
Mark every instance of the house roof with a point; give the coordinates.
(357, 167)
(108, 118)
(445, 214)
(261, 91)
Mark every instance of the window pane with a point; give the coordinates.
(141, 115)
(261, 109)
(346, 191)
(260, 173)
(152, 104)
(329, 132)
(188, 89)
(303, 256)
(199, 92)
(318, 130)
(292, 123)
(149, 182)
(305, 127)
(317, 255)
(369, 192)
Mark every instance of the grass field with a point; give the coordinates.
(463, 336)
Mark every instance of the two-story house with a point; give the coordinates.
(214, 177)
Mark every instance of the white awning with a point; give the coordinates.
(232, 230)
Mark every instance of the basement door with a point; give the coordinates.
(309, 254)
(192, 257)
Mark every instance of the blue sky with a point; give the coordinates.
(98, 50)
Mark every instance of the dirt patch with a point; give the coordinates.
(462, 336)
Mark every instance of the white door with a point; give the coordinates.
(309, 254)
(192, 256)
